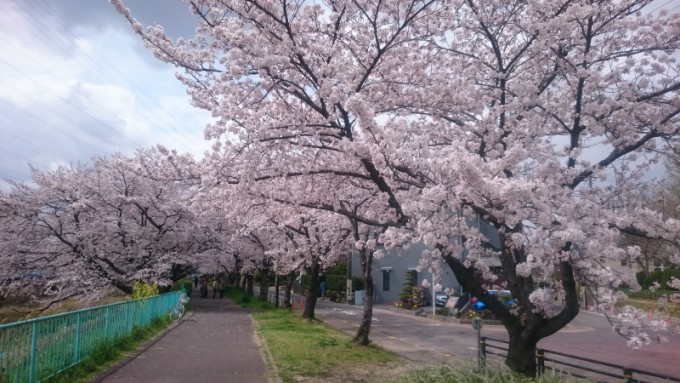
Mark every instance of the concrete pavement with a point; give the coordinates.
(216, 342)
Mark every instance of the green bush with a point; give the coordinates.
(143, 289)
(336, 282)
(357, 283)
(338, 269)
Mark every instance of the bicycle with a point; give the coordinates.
(178, 311)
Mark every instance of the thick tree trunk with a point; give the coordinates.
(361, 337)
(249, 285)
(312, 289)
(277, 285)
(522, 354)
(264, 284)
(289, 290)
(525, 326)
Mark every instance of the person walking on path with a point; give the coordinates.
(322, 287)
(217, 287)
(203, 287)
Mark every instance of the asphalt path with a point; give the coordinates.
(424, 339)
(215, 343)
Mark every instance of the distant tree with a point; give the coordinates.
(102, 224)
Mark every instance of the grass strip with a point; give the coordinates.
(310, 349)
(110, 353)
(466, 373)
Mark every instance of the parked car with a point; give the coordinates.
(503, 295)
(440, 298)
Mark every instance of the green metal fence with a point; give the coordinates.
(36, 349)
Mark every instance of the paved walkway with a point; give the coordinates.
(215, 343)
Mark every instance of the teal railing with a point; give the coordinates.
(36, 349)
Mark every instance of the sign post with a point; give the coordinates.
(477, 324)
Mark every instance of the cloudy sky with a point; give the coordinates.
(75, 81)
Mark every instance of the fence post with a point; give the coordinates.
(628, 375)
(76, 346)
(482, 353)
(540, 362)
(34, 358)
(106, 324)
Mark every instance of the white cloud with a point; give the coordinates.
(67, 94)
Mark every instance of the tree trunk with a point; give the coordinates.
(289, 290)
(312, 290)
(249, 285)
(361, 337)
(264, 284)
(522, 354)
(277, 285)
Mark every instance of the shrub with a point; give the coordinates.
(338, 269)
(143, 289)
(336, 283)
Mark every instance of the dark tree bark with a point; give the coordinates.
(289, 290)
(264, 283)
(312, 289)
(361, 338)
(249, 285)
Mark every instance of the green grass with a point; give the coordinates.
(301, 348)
(465, 373)
(108, 354)
(649, 294)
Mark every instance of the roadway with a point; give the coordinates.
(424, 339)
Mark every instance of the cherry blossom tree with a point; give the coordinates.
(436, 115)
(93, 226)
(567, 95)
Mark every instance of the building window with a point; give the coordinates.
(386, 280)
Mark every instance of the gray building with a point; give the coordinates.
(389, 272)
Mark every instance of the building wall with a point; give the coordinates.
(395, 265)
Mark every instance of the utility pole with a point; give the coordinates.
(350, 297)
